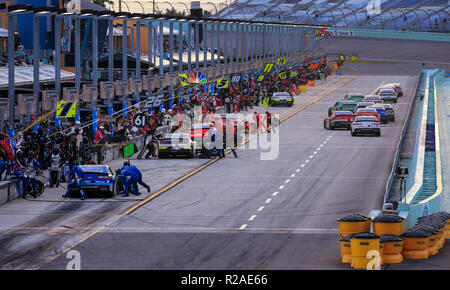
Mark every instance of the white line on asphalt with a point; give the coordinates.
(298, 170)
(268, 200)
(281, 187)
(307, 161)
(243, 226)
(287, 181)
(303, 165)
(275, 193)
(261, 208)
(315, 152)
(252, 217)
(311, 156)
(321, 145)
(318, 148)
(293, 174)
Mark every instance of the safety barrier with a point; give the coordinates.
(8, 191)
(419, 200)
(390, 34)
(401, 138)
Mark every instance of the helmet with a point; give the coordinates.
(30, 154)
(76, 163)
(78, 123)
(126, 163)
(101, 128)
(19, 152)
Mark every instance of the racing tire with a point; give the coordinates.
(163, 156)
(40, 188)
(332, 127)
(353, 134)
(378, 134)
(325, 124)
(395, 101)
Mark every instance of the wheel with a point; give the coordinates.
(378, 134)
(332, 127)
(325, 124)
(40, 188)
(353, 134)
(395, 101)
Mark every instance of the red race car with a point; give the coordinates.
(339, 119)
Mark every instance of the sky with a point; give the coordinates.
(135, 7)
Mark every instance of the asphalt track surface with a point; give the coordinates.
(243, 213)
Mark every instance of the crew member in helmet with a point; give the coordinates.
(127, 165)
(76, 174)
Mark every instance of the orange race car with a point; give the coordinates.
(368, 112)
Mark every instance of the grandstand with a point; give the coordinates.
(407, 15)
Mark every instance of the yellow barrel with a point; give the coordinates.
(388, 224)
(392, 249)
(346, 252)
(433, 245)
(415, 244)
(361, 245)
(352, 224)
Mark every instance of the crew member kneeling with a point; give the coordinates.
(129, 178)
(127, 165)
(76, 174)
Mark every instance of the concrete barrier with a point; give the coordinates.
(409, 208)
(8, 191)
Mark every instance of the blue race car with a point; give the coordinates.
(98, 180)
(384, 116)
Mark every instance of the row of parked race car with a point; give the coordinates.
(364, 114)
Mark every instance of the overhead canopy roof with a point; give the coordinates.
(24, 75)
(3, 32)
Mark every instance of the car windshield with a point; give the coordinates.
(366, 119)
(281, 97)
(201, 126)
(344, 113)
(99, 170)
(387, 92)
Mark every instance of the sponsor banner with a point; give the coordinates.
(342, 33)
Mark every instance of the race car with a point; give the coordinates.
(97, 179)
(373, 98)
(366, 125)
(339, 119)
(390, 111)
(342, 106)
(384, 118)
(395, 86)
(363, 105)
(281, 99)
(357, 97)
(388, 95)
(176, 144)
(368, 112)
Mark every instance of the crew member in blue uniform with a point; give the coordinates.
(138, 172)
(76, 174)
(130, 179)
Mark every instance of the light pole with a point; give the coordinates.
(13, 11)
